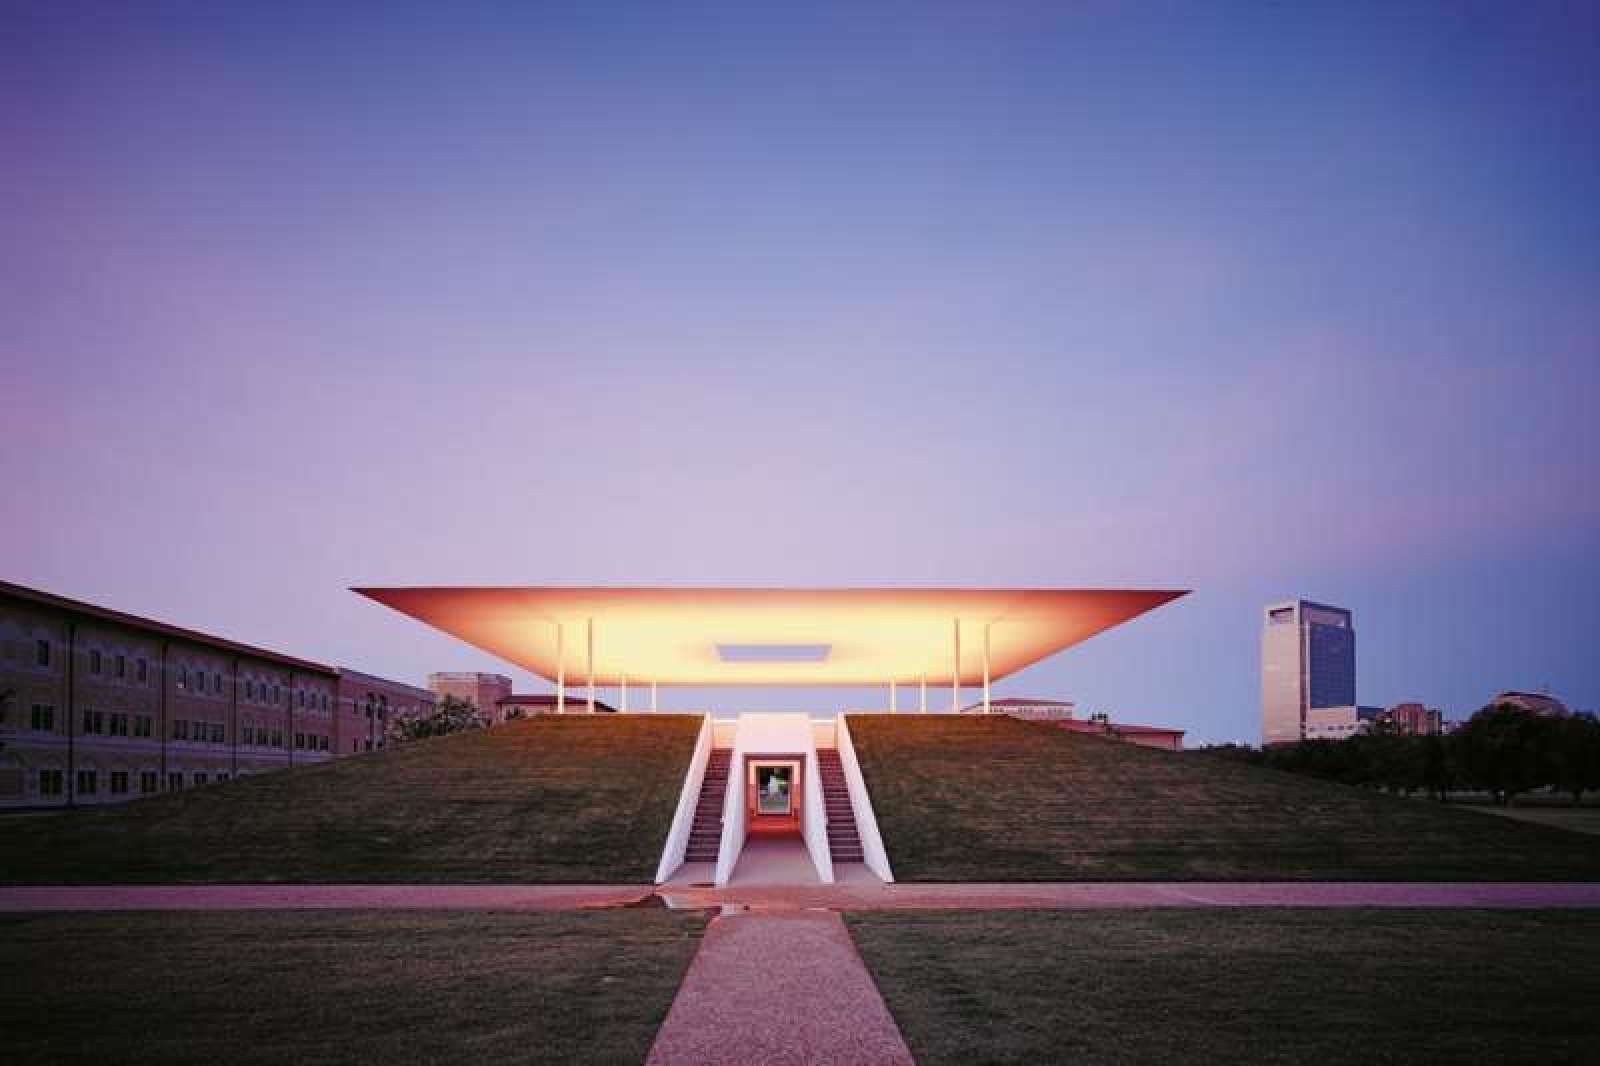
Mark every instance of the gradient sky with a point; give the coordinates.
(1265, 303)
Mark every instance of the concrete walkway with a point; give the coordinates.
(778, 989)
(1138, 894)
(318, 897)
(856, 895)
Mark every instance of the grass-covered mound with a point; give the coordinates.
(551, 800)
(1330, 986)
(996, 799)
(393, 987)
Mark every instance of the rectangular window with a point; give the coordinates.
(119, 726)
(180, 729)
(147, 782)
(88, 782)
(277, 738)
(94, 660)
(201, 778)
(183, 678)
(299, 741)
(140, 669)
(41, 655)
(143, 726)
(122, 668)
(275, 692)
(217, 736)
(43, 718)
(222, 777)
(216, 684)
(119, 782)
(49, 782)
(174, 782)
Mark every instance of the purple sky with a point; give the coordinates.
(1263, 304)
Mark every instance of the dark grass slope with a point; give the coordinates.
(340, 987)
(548, 800)
(1238, 985)
(997, 799)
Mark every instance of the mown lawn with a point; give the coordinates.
(996, 799)
(547, 800)
(1239, 986)
(334, 987)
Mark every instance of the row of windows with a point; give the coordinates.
(204, 732)
(88, 782)
(310, 742)
(261, 735)
(194, 681)
(111, 724)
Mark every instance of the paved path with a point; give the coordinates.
(318, 897)
(766, 897)
(778, 989)
(1134, 894)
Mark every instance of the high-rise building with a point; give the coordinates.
(1308, 661)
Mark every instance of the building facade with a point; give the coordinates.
(367, 705)
(1308, 662)
(1035, 710)
(1540, 703)
(98, 706)
(1414, 719)
(530, 704)
(483, 691)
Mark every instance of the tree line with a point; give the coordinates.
(1502, 749)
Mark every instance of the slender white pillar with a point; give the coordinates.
(653, 706)
(922, 704)
(590, 632)
(624, 701)
(955, 674)
(892, 708)
(561, 668)
(986, 668)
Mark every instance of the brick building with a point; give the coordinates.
(483, 691)
(98, 706)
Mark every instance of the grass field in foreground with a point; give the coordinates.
(992, 798)
(333, 987)
(1240, 985)
(546, 800)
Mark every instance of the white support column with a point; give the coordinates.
(653, 707)
(561, 668)
(922, 704)
(624, 701)
(955, 674)
(892, 708)
(589, 627)
(986, 667)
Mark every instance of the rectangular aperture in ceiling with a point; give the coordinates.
(773, 653)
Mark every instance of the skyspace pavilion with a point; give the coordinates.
(797, 788)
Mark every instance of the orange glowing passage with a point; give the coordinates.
(750, 636)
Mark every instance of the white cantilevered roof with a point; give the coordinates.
(756, 636)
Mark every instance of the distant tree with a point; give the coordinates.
(1505, 750)
(450, 715)
(1574, 755)
(1439, 772)
(1233, 752)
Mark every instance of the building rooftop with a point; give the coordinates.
(106, 614)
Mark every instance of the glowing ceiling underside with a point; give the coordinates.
(720, 636)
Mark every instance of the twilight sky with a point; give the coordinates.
(1260, 303)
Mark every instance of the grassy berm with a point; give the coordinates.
(996, 799)
(338, 987)
(548, 800)
(1330, 986)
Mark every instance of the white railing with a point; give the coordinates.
(683, 819)
(873, 852)
(816, 819)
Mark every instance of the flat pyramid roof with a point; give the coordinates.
(769, 636)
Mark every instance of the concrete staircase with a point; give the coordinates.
(705, 836)
(844, 840)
